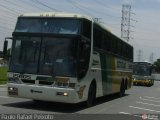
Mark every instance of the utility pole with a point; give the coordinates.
(125, 22)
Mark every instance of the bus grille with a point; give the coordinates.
(46, 82)
(40, 82)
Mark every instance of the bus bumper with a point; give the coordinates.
(44, 93)
(142, 82)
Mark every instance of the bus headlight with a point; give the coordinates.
(134, 79)
(12, 91)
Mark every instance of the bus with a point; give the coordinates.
(67, 57)
(142, 73)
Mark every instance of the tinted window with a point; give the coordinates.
(96, 39)
(26, 53)
(87, 28)
(43, 25)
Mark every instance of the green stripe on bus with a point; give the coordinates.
(105, 65)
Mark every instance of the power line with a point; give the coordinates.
(36, 1)
(7, 19)
(108, 6)
(8, 16)
(14, 4)
(101, 12)
(7, 23)
(52, 5)
(5, 27)
(30, 4)
(10, 12)
(76, 6)
(9, 9)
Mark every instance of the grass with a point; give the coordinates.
(3, 75)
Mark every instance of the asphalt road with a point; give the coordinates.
(139, 101)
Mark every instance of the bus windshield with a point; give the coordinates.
(144, 70)
(48, 25)
(47, 55)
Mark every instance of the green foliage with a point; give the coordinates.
(157, 65)
(3, 75)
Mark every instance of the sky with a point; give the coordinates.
(145, 19)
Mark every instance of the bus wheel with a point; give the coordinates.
(91, 94)
(126, 84)
(122, 89)
(37, 101)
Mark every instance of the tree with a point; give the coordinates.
(157, 65)
(1, 54)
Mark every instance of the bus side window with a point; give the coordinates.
(97, 38)
(86, 29)
(84, 55)
(114, 45)
(119, 48)
(108, 37)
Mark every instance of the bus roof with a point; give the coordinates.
(105, 28)
(67, 15)
(62, 14)
(56, 14)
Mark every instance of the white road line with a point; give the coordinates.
(152, 97)
(3, 85)
(148, 117)
(3, 90)
(148, 99)
(144, 109)
(125, 113)
(148, 104)
(4, 97)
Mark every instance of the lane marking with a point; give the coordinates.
(148, 117)
(4, 97)
(125, 113)
(152, 97)
(3, 90)
(144, 109)
(3, 85)
(148, 99)
(148, 104)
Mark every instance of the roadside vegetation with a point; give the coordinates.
(3, 75)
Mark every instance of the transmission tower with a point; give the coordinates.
(125, 22)
(151, 57)
(139, 56)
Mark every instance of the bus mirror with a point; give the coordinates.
(5, 46)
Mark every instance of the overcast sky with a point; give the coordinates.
(145, 33)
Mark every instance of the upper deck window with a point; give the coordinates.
(49, 25)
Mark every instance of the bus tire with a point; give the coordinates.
(122, 89)
(37, 101)
(126, 84)
(91, 94)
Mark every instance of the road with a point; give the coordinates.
(139, 100)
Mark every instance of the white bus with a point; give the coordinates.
(67, 57)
